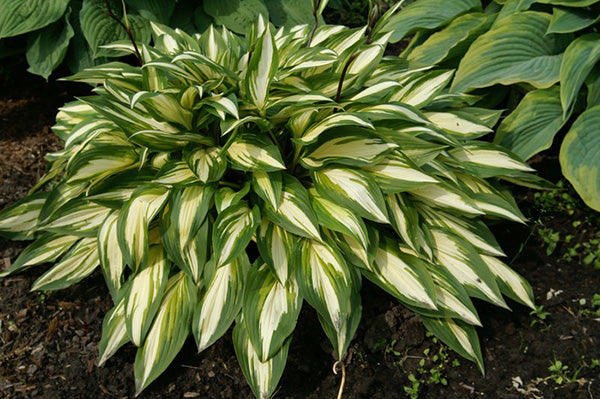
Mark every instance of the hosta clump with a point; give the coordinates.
(230, 179)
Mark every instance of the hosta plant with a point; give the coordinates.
(76, 30)
(229, 180)
(538, 57)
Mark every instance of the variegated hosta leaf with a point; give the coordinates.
(181, 222)
(404, 218)
(335, 120)
(145, 293)
(446, 197)
(339, 218)
(510, 282)
(221, 301)
(404, 276)
(458, 335)
(78, 217)
(270, 310)
(226, 197)
(101, 161)
(45, 249)
(268, 186)
(114, 332)
(396, 173)
(353, 189)
(451, 298)
(18, 221)
(169, 330)
(347, 148)
(111, 257)
(473, 231)
(331, 287)
(295, 213)
(275, 245)
(460, 125)
(209, 164)
(261, 69)
(488, 160)
(421, 91)
(77, 264)
(233, 230)
(463, 262)
(134, 219)
(263, 377)
(253, 151)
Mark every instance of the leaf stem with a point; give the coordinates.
(127, 30)
(316, 24)
(343, 76)
(343, 381)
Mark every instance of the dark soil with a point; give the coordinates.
(49, 342)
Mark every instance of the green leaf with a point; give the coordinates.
(19, 220)
(47, 47)
(261, 69)
(251, 151)
(233, 230)
(275, 246)
(45, 249)
(77, 264)
(221, 302)
(101, 161)
(153, 10)
(169, 331)
(295, 213)
(270, 310)
(134, 220)
(450, 42)
(515, 50)
(531, 127)
(262, 377)
(579, 59)
(100, 29)
(423, 90)
(404, 218)
(579, 157)
(353, 189)
(329, 286)
(426, 14)
(237, 15)
(488, 160)
(145, 294)
(290, 12)
(567, 20)
(22, 16)
(459, 124)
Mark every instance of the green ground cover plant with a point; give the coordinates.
(538, 58)
(230, 179)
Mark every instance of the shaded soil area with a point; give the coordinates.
(49, 342)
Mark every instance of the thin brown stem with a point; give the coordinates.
(338, 95)
(343, 381)
(314, 28)
(127, 30)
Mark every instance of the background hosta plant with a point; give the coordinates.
(540, 54)
(229, 180)
(76, 30)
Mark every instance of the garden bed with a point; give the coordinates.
(49, 342)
